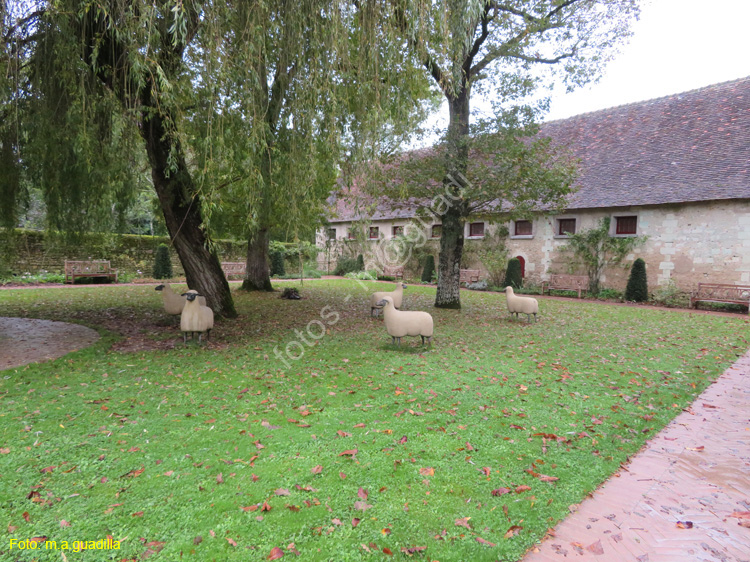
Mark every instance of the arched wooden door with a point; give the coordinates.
(523, 266)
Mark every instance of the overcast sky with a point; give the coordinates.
(677, 45)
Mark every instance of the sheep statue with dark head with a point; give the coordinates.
(396, 295)
(523, 305)
(195, 317)
(174, 303)
(400, 323)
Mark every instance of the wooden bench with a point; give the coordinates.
(395, 272)
(89, 268)
(720, 292)
(233, 269)
(565, 282)
(469, 276)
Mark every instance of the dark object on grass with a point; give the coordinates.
(290, 293)
(513, 274)
(429, 269)
(637, 288)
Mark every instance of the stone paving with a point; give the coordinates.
(684, 498)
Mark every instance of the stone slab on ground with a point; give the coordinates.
(681, 499)
(28, 340)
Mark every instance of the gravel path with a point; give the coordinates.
(26, 340)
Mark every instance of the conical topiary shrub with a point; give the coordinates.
(637, 288)
(162, 263)
(513, 274)
(429, 269)
(360, 263)
(277, 262)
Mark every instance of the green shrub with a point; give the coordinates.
(669, 295)
(429, 269)
(277, 262)
(346, 265)
(162, 263)
(513, 274)
(609, 295)
(637, 288)
(360, 263)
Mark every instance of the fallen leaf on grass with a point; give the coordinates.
(249, 508)
(154, 547)
(4, 450)
(412, 549)
(362, 505)
(480, 540)
(276, 553)
(351, 452)
(355, 522)
(362, 493)
(219, 478)
(197, 540)
(282, 492)
(138, 514)
(38, 539)
(317, 469)
(64, 523)
(522, 488)
(513, 531)
(133, 473)
(387, 551)
(48, 469)
(545, 478)
(500, 491)
(463, 522)
(429, 471)
(26, 517)
(231, 541)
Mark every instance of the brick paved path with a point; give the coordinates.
(681, 498)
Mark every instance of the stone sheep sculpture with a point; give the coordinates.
(400, 323)
(397, 296)
(524, 305)
(195, 317)
(174, 303)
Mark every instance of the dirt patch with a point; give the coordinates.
(27, 340)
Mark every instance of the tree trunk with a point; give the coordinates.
(182, 211)
(452, 235)
(258, 275)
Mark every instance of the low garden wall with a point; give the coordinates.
(29, 251)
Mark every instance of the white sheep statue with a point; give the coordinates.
(397, 296)
(195, 317)
(524, 305)
(174, 303)
(400, 323)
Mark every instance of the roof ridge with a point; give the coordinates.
(719, 85)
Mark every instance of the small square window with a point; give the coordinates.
(374, 233)
(566, 226)
(332, 234)
(398, 231)
(522, 228)
(626, 225)
(351, 234)
(437, 230)
(476, 229)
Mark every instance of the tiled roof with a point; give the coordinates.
(688, 147)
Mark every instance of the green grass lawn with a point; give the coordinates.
(468, 450)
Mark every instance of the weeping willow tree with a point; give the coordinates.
(242, 108)
(508, 51)
(297, 101)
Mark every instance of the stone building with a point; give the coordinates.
(675, 169)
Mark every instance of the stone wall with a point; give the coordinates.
(28, 251)
(687, 243)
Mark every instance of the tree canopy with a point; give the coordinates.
(509, 52)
